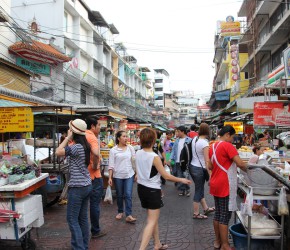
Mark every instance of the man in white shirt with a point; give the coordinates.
(175, 156)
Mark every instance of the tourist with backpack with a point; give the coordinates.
(178, 145)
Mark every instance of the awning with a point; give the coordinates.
(160, 128)
(240, 117)
(116, 115)
(6, 103)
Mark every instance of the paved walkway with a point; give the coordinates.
(176, 226)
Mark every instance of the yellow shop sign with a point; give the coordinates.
(238, 126)
(16, 120)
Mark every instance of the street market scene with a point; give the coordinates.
(107, 143)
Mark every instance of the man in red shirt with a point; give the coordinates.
(192, 132)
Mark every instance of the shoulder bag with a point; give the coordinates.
(205, 173)
(133, 158)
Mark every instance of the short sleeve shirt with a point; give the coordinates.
(93, 141)
(197, 152)
(219, 183)
(78, 172)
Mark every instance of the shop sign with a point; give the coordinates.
(133, 126)
(103, 121)
(230, 28)
(36, 67)
(271, 115)
(16, 120)
(238, 126)
(222, 95)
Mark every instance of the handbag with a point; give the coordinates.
(204, 170)
(133, 159)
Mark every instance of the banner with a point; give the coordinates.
(238, 126)
(271, 115)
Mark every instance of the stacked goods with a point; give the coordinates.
(271, 152)
(245, 152)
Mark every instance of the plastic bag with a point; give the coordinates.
(283, 206)
(246, 208)
(167, 169)
(108, 196)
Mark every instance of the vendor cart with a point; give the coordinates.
(21, 211)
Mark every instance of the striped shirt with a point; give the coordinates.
(78, 173)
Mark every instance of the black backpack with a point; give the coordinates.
(185, 156)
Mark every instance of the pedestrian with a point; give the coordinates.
(224, 160)
(94, 168)
(149, 169)
(122, 172)
(79, 183)
(200, 159)
(175, 156)
(167, 146)
(257, 150)
(192, 133)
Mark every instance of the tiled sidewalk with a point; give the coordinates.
(176, 226)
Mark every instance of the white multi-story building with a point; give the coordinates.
(161, 86)
(100, 73)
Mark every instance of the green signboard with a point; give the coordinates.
(36, 67)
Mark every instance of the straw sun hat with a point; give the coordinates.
(78, 126)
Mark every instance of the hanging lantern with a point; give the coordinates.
(234, 62)
(234, 70)
(234, 77)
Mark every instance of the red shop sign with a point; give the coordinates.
(271, 114)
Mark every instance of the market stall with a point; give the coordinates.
(20, 210)
(36, 132)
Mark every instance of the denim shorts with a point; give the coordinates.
(197, 176)
(150, 197)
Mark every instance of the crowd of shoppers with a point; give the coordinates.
(220, 160)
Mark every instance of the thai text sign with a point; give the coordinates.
(230, 28)
(16, 120)
(271, 114)
(36, 67)
(238, 126)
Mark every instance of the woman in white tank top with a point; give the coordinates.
(149, 168)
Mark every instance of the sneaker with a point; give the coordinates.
(99, 234)
(187, 193)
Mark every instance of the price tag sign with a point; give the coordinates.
(16, 120)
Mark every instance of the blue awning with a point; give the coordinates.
(6, 103)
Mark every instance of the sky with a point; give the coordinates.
(177, 36)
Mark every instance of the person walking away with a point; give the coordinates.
(167, 147)
(200, 159)
(79, 183)
(175, 156)
(192, 133)
(224, 160)
(149, 169)
(94, 168)
(121, 170)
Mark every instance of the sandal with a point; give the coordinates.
(199, 216)
(163, 246)
(130, 219)
(119, 216)
(209, 210)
